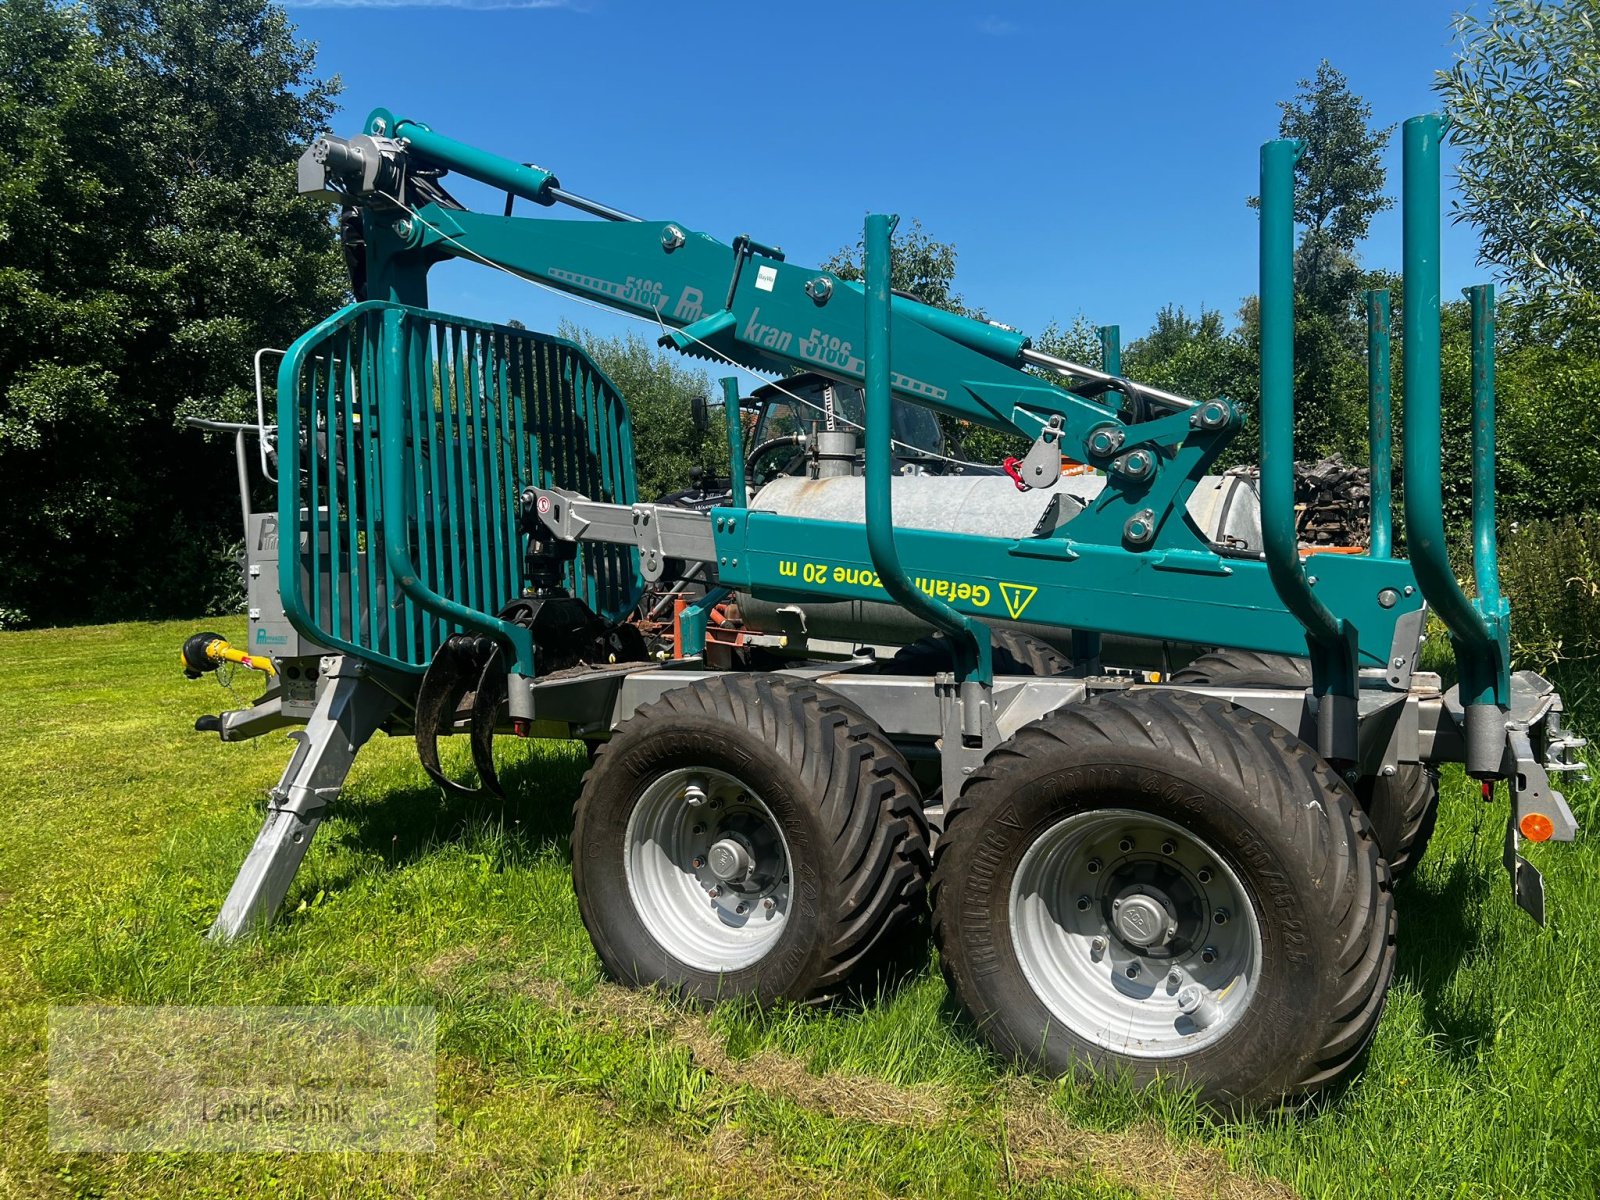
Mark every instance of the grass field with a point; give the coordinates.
(124, 828)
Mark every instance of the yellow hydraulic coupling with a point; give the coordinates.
(207, 651)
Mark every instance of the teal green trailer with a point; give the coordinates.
(1155, 764)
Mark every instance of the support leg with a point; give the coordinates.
(349, 710)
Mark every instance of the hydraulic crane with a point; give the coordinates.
(1189, 876)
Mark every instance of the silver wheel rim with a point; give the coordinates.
(707, 869)
(1135, 934)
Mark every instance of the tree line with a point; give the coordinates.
(151, 241)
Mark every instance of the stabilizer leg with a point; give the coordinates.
(348, 712)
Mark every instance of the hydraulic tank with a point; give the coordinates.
(1226, 508)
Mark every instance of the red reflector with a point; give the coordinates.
(1537, 827)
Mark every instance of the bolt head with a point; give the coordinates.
(1388, 598)
(1093, 866)
(1208, 955)
(1174, 977)
(1125, 845)
(741, 909)
(769, 904)
(1203, 875)
(1169, 848)
(1098, 947)
(697, 830)
(713, 892)
(1132, 970)
(697, 862)
(1220, 916)
(1084, 903)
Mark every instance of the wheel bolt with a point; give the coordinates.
(1208, 955)
(1169, 848)
(1203, 875)
(697, 830)
(769, 904)
(1174, 977)
(1220, 916)
(713, 892)
(697, 862)
(742, 909)
(1094, 866)
(1083, 903)
(1133, 970)
(1125, 845)
(1097, 948)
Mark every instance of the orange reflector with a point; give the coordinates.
(1536, 827)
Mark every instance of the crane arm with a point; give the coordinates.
(740, 302)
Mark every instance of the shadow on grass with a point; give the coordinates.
(404, 824)
(1442, 927)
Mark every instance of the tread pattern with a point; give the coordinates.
(859, 782)
(1279, 772)
(1245, 668)
(1015, 653)
(1403, 807)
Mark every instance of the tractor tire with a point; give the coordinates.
(1402, 807)
(1014, 654)
(749, 835)
(1159, 885)
(1245, 668)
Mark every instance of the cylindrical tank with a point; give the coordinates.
(1226, 508)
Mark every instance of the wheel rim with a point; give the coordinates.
(1135, 934)
(707, 869)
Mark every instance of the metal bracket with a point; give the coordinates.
(658, 531)
(1404, 648)
(1532, 796)
(350, 709)
(1041, 466)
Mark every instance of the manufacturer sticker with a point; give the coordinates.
(765, 278)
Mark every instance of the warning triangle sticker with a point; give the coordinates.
(1017, 596)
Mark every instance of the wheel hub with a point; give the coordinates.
(1112, 915)
(1142, 920)
(708, 869)
(730, 860)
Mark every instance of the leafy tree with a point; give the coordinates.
(1338, 190)
(151, 241)
(1201, 358)
(917, 264)
(1525, 112)
(660, 391)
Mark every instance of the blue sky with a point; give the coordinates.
(1083, 157)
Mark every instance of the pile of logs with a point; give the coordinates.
(1332, 502)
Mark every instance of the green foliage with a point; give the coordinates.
(660, 390)
(1339, 184)
(1551, 572)
(1525, 112)
(917, 264)
(1201, 358)
(150, 242)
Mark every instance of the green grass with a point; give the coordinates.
(124, 829)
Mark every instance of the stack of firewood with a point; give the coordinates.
(1332, 502)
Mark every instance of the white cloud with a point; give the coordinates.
(997, 27)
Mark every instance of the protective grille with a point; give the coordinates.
(405, 438)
